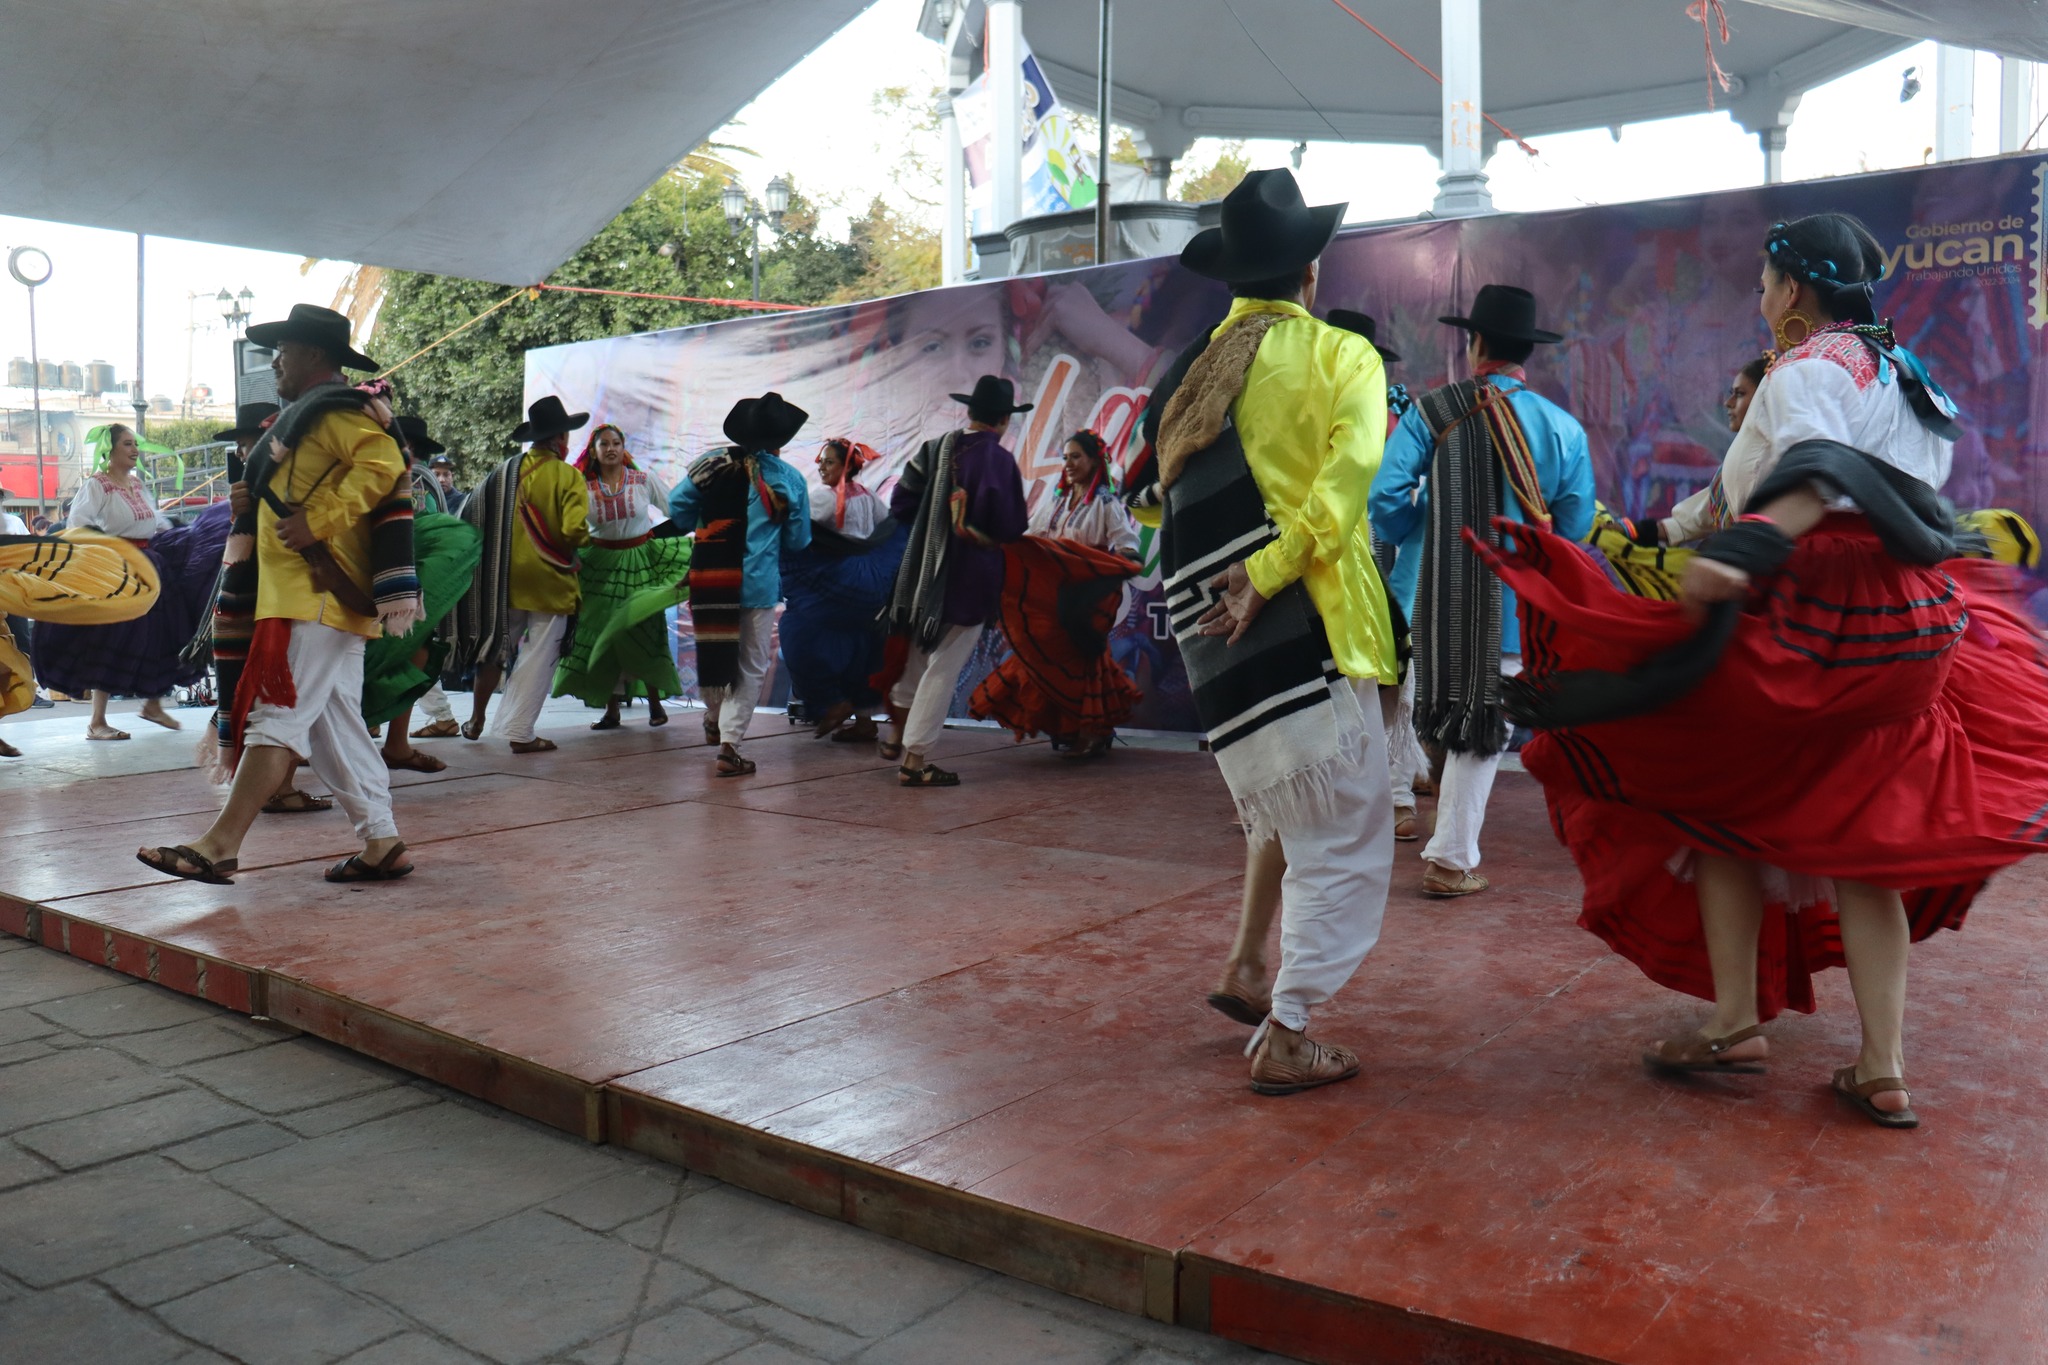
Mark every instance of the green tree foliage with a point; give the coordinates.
(469, 387)
(1218, 178)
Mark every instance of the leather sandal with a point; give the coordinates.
(1697, 1054)
(1240, 1001)
(930, 775)
(385, 869)
(1314, 1064)
(1447, 883)
(1858, 1094)
(533, 746)
(711, 727)
(731, 764)
(296, 802)
(1407, 829)
(440, 729)
(165, 858)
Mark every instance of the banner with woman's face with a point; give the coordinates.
(1656, 301)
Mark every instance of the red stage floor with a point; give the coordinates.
(973, 1019)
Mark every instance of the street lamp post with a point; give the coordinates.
(31, 267)
(740, 211)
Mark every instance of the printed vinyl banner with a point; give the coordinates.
(1656, 300)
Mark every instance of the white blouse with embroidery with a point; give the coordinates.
(640, 504)
(864, 511)
(1101, 522)
(118, 509)
(1827, 388)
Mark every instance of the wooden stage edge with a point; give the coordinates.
(1166, 1284)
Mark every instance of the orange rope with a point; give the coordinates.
(752, 304)
(1505, 131)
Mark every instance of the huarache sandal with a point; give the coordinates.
(104, 732)
(1697, 1054)
(196, 867)
(930, 775)
(891, 751)
(1407, 829)
(1240, 1001)
(656, 715)
(385, 869)
(730, 764)
(533, 746)
(1311, 1064)
(1859, 1093)
(710, 727)
(415, 762)
(440, 729)
(609, 721)
(472, 729)
(296, 802)
(1447, 883)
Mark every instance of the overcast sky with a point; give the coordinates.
(87, 311)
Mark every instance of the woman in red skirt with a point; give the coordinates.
(1824, 751)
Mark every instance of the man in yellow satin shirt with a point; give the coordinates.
(324, 487)
(1311, 419)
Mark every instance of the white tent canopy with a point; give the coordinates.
(485, 138)
(2012, 28)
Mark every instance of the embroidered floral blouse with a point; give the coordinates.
(116, 507)
(1101, 522)
(639, 503)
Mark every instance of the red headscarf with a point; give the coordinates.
(586, 463)
(858, 457)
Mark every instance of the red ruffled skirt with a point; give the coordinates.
(1869, 720)
(1060, 601)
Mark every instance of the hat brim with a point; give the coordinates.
(236, 433)
(527, 431)
(270, 335)
(968, 399)
(1208, 255)
(426, 446)
(1388, 355)
(1522, 334)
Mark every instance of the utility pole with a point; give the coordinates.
(136, 394)
(30, 267)
(1102, 222)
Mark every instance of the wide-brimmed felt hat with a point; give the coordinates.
(414, 429)
(248, 421)
(1503, 310)
(1267, 231)
(1353, 321)
(993, 399)
(546, 418)
(315, 326)
(764, 423)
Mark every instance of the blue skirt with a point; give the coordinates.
(139, 658)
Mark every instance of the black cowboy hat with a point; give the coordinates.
(764, 423)
(546, 418)
(993, 399)
(1353, 321)
(248, 421)
(1504, 311)
(414, 429)
(315, 326)
(1267, 231)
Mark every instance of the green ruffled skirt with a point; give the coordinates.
(446, 551)
(620, 628)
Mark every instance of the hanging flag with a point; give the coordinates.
(1058, 172)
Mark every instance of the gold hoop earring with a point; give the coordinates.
(1792, 329)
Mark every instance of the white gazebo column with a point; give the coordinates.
(1773, 140)
(1159, 146)
(1461, 190)
(2015, 102)
(1955, 94)
(953, 231)
(1006, 96)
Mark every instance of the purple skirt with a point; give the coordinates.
(139, 658)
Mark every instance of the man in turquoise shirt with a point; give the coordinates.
(1557, 475)
(778, 519)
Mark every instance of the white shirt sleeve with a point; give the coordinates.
(863, 513)
(12, 525)
(657, 501)
(87, 506)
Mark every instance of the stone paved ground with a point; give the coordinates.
(181, 1184)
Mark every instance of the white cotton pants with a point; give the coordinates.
(1405, 759)
(325, 727)
(538, 637)
(434, 705)
(736, 704)
(1461, 802)
(1333, 896)
(925, 691)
